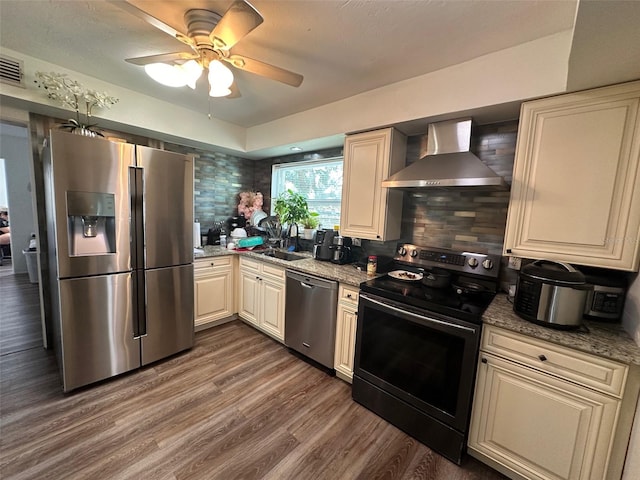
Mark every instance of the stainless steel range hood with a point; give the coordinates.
(448, 161)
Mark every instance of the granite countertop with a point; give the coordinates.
(347, 274)
(603, 339)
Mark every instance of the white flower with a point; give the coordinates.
(71, 93)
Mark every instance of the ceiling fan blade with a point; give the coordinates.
(236, 23)
(129, 7)
(163, 58)
(264, 69)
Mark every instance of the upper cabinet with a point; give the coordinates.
(368, 210)
(575, 195)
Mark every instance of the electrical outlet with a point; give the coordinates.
(515, 263)
(357, 242)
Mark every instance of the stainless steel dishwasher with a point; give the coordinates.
(310, 316)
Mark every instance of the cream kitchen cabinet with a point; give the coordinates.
(542, 411)
(369, 210)
(346, 331)
(261, 293)
(213, 290)
(575, 195)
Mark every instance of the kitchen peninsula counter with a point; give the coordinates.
(607, 340)
(346, 274)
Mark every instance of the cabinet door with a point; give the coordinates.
(368, 210)
(272, 308)
(213, 297)
(345, 341)
(249, 296)
(576, 185)
(539, 426)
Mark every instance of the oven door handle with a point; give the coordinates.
(415, 315)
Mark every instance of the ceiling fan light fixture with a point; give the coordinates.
(219, 92)
(168, 75)
(192, 70)
(220, 77)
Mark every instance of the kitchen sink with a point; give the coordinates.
(282, 255)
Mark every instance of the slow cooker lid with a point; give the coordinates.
(559, 273)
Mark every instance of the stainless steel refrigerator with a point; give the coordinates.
(119, 227)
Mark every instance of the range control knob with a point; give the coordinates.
(402, 251)
(472, 262)
(487, 264)
(414, 253)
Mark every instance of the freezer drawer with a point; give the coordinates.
(310, 318)
(96, 318)
(169, 306)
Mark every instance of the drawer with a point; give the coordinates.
(348, 295)
(209, 264)
(249, 264)
(582, 368)
(273, 271)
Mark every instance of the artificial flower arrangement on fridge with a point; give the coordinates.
(72, 94)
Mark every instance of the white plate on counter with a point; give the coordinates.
(405, 275)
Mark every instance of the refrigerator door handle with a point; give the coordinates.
(136, 187)
(139, 304)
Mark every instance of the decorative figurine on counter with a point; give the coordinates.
(250, 206)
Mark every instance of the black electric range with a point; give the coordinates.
(417, 345)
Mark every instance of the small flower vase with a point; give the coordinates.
(85, 132)
(308, 233)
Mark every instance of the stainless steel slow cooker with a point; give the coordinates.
(551, 293)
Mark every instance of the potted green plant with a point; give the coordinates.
(310, 224)
(291, 208)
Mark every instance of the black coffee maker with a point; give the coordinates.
(341, 250)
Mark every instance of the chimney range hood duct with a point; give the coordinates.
(448, 162)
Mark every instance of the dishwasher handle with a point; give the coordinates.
(309, 281)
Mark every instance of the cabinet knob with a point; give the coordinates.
(542, 358)
(349, 295)
(212, 264)
(483, 360)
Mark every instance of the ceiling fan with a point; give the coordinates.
(211, 37)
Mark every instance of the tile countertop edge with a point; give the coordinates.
(346, 274)
(607, 340)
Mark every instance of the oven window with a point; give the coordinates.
(421, 361)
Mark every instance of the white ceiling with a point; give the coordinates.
(342, 47)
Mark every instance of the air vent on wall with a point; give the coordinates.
(11, 71)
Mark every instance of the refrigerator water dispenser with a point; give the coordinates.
(91, 223)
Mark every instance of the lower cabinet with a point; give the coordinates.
(545, 412)
(213, 290)
(347, 319)
(261, 290)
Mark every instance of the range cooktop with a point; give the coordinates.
(466, 295)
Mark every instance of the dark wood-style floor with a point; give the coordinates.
(236, 406)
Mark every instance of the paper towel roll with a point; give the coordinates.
(197, 239)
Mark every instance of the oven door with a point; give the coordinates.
(418, 357)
